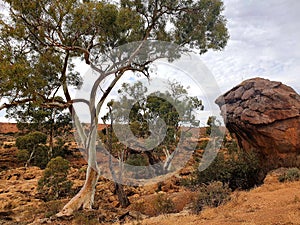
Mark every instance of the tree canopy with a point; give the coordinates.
(174, 106)
(40, 39)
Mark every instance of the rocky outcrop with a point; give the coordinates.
(265, 117)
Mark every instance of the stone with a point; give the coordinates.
(264, 116)
(112, 198)
(116, 204)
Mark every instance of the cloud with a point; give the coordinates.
(4, 119)
(263, 43)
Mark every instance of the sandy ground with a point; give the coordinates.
(273, 203)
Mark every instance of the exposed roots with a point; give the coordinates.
(84, 198)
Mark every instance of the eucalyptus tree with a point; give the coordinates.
(40, 39)
(146, 108)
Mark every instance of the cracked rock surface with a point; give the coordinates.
(264, 116)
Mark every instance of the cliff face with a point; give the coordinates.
(8, 128)
(264, 115)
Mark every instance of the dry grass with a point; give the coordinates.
(273, 203)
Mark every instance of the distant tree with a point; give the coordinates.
(54, 122)
(213, 126)
(174, 107)
(34, 144)
(40, 40)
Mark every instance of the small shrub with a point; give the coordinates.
(137, 160)
(54, 183)
(211, 195)
(292, 174)
(163, 204)
(40, 158)
(60, 149)
(238, 170)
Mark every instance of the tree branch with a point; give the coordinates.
(15, 103)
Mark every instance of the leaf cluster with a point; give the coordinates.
(31, 140)
(54, 183)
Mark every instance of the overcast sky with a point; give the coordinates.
(263, 42)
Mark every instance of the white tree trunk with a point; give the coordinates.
(85, 197)
(168, 162)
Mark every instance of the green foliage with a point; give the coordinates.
(143, 108)
(22, 155)
(212, 195)
(239, 170)
(54, 183)
(60, 149)
(33, 147)
(292, 174)
(137, 160)
(31, 140)
(231, 146)
(197, 23)
(40, 39)
(163, 204)
(40, 157)
(31, 117)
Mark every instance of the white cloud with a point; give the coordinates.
(263, 43)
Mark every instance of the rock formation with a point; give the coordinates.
(265, 117)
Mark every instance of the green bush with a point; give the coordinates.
(137, 160)
(212, 195)
(54, 184)
(41, 157)
(163, 204)
(60, 149)
(292, 174)
(22, 155)
(31, 140)
(238, 170)
(34, 144)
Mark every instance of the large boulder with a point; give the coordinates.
(264, 116)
